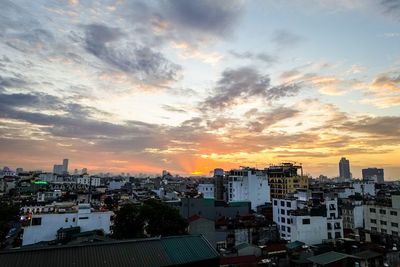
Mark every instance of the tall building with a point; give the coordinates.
(344, 169)
(65, 166)
(58, 169)
(219, 187)
(248, 184)
(284, 179)
(375, 174)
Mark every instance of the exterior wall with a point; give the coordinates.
(207, 190)
(313, 233)
(281, 215)
(346, 192)
(334, 222)
(385, 220)
(365, 188)
(86, 180)
(50, 223)
(250, 187)
(353, 216)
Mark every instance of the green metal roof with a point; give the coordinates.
(329, 257)
(168, 251)
(294, 245)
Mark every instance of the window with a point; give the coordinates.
(275, 202)
(394, 233)
(394, 213)
(74, 219)
(373, 221)
(372, 210)
(283, 228)
(337, 235)
(283, 220)
(288, 229)
(66, 219)
(383, 222)
(37, 221)
(287, 212)
(83, 218)
(383, 231)
(306, 221)
(374, 229)
(332, 215)
(329, 236)
(283, 203)
(382, 211)
(332, 207)
(283, 212)
(289, 204)
(395, 224)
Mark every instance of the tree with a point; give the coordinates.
(8, 214)
(128, 222)
(162, 219)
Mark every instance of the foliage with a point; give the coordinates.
(128, 222)
(8, 213)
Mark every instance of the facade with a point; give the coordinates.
(344, 169)
(207, 190)
(311, 225)
(284, 179)
(219, 188)
(44, 226)
(58, 169)
(383, 219)
(65, 166)
(374, 174)
(365, 188)
(248, 184)
(86, 180)
(353, 215)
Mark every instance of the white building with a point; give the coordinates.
(248, 184)
(365, 188)
(383, 219)
(44, 226)
(86, 180)
(207, 190)
(353, 215)
(289, 213)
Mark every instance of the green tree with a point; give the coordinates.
(128, 222)
(8, 213)
(162, 219)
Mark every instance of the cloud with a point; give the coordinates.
(384, 125)
(217, 18)
(173, 109)
(285, 38)
(391, 7)
(262, 120)
(266, 58)
(238, 85)
(148, 66)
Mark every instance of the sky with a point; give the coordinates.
(188, 86)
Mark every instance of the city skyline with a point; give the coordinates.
(189, 86)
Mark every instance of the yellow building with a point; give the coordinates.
(284, 179)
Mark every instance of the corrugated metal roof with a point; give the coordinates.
(329, 257)
(167, 251)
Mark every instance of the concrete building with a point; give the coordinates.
(219, 188)
(344, 170)
(207, 190)
(365, 188)
(284, 179)
(86, 180)
(65, 166)
(58, 169)
(383, 219)
(353, 215)
(373, 174)
(44, 226)
(248, 184)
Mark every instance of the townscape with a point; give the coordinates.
(276, 216)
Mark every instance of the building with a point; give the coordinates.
(353, 215)
(248, 184)
(86, 180)
(207, 190)
(65, 166)
(42, 224)
(384, 220)
(309, 224)
(374, 174)
(284, 179)
(344, 170)
(219, 192)
(186, 250)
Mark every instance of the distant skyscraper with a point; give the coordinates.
(65, 166)
(344, 169)
(58, 169)
(375, 174)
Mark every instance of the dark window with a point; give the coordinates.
(332, 215)
(382, 211)
(395, 224)
(306, 221)
(275, 202)
(37, 221)
(383, 231)
(66, 219)
(83, 218)
(394, 213)
(283, 220)
(337, 235)
(283, 228)
(287, 212)
(289, 204)
(373, 221)
(329, 226)
(383, 222)
(288, 229)
(283, 203)
(283, 212)
(372, 210)
(374, 229)
(332, 207)
(395, 233)
(329, 236)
